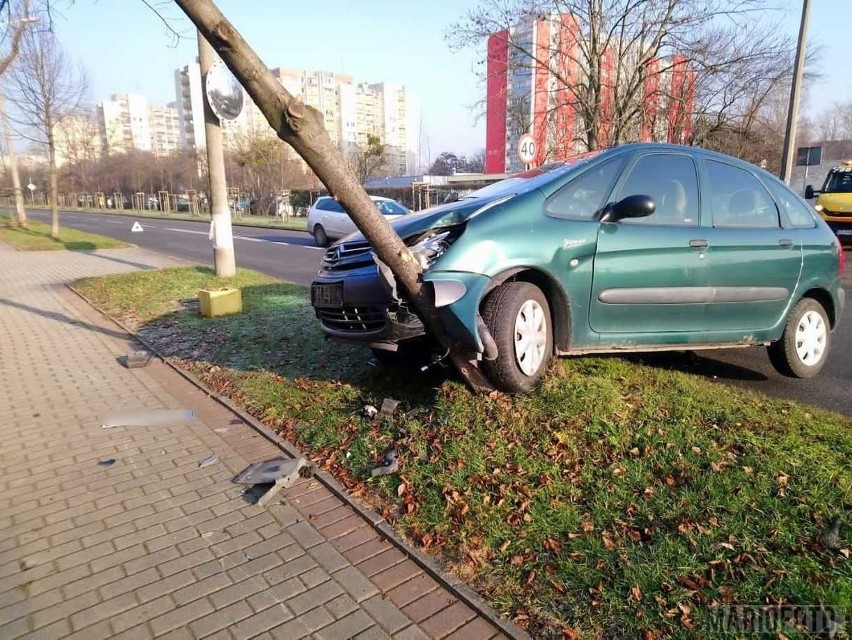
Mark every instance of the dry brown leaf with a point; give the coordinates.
(635, 594)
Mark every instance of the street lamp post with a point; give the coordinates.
(795, 94)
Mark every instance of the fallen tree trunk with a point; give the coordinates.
(302, 127)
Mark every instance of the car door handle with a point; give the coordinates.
(699, 244)
(785, 243)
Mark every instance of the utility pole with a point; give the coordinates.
(220, 213)
(795, 94)
(13, 166)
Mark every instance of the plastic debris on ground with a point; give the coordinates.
(390, 463)
(370, 411)
(209, 460)
(277, 473)
(389, 406)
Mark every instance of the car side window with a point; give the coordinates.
(671, 181)
(584, 196)
(738, 199)
(329, 204)
(795, 214)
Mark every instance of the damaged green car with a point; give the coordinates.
(642, 247)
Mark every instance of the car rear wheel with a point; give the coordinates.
(803, 348)
(320, 236)
(518, 316)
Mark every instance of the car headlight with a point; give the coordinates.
(430, 247)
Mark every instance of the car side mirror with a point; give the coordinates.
(636, 206)
(810, 194)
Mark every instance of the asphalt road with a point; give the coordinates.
(292, 256)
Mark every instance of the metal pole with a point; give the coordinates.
(795, 93)
(13, 166)
(220, 213)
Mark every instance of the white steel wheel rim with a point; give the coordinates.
(811, 336)
(530, 337)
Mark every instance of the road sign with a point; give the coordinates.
(808, 156)
(526, 148)
(31, 186)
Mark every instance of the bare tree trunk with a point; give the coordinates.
(302, 127)
(54, 187)
(20, 210)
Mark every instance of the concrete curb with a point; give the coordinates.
(451, 583)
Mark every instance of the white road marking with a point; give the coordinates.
(200, 233)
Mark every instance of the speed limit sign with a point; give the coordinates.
(526, 148)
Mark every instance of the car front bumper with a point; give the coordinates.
(369, 314)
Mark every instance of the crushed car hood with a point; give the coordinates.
(444, 215)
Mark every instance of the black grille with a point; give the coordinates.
(354, 319)
(347, 255)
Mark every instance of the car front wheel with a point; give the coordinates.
(803, 348)
(320, 236)
(518, 316)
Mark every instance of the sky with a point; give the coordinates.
(125, 48)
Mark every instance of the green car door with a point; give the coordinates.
(753, 263)
(650, 274)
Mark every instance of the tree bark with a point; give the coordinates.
(54, 187)
(302, 127)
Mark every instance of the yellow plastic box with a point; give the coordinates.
(219, 302)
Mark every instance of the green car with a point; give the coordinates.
(642, 247)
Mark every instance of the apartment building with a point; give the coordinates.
(530, 69)
(128, 122)
(351, 111)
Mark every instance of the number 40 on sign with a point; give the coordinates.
(526, 148)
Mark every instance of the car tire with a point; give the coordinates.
(320, 236)
(515, 313)
(803, 348)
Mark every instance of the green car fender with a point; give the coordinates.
(457, 298)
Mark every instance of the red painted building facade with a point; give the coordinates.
(530, 69)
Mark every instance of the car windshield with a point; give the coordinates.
(839, 181)
(390, 208)
(529, 180)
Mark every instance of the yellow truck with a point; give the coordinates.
(834, 200)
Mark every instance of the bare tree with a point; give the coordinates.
(367, 161)
(17, 20)
(302, 127)
(46, 87)
(628, 67)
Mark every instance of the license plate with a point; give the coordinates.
(327, 295)
(844, 232)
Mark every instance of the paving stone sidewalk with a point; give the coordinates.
(154, 545)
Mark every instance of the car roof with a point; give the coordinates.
(373, 198)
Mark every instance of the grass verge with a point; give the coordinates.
(619, 500)
(36, 237)
(264, 222)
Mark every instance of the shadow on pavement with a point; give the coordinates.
(131, 263)
(61, 317)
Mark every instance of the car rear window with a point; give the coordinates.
(390, 208)
(329, 204)
(795, 214)
(738, 198)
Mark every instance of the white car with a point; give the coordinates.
(328, 221)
